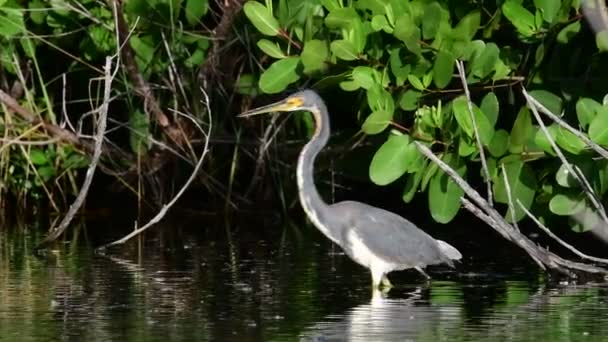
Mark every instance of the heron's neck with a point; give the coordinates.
(311, 201)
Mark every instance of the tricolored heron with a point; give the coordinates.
(375, 238)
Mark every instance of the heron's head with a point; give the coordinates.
(302, 100)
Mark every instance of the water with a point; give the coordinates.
(282, 287)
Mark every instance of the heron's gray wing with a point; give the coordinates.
(389, 236)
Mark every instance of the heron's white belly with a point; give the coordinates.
(362, 254)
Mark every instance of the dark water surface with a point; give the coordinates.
(235, 286)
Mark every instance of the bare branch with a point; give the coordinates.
(101, 129)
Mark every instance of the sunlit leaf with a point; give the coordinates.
(567, 33)
(344, 49)
(409, 100)
(261, 17)
(377, 121)
(520, 17)
(390, 161)
(586, 110)
(314, 55)
(598, 128)
(270, 48)
(279, 75)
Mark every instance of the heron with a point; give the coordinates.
(375, 238)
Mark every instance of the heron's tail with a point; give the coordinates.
(449, 250)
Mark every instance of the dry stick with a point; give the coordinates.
(167, 206)
(560, 241)
(597, 148)
(482, 153)
(101, 129)
(584, 184)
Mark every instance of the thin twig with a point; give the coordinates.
(482, 155)
(101, 129)
(509, 197)
(597, 148)
(560, 241)
(163, 211)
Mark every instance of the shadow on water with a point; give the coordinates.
(290, 285)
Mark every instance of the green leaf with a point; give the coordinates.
(567, 33)
(548, 8)
(522, 182)
(601, 40)
(566, 204)
(407, 31)
(564, 178)
(443, 69)
(195, 10)
(11, 22)
(364, 76)
(379, 98)
(444, 193)
(261, 17)
(415, 82)
(279, 75)
(520, 17)
(541, 140)
(568, 141)
(551, 101)
(598, 129)
(271, 49)
(521, 131)
(409, 100)
(314, 55)
(37, 11)
(489, 106)
(377, 121)
(390, 161)
(379, 22)
(468, 26)
(341, 18)
(38, 157)
(460, 108)
(344, 49)
(431, 20)
(499, 144)
(586, 110)
(412, 183)
(486, 62)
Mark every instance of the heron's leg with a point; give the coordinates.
(386, 282)
(422, 272)
(376, 277)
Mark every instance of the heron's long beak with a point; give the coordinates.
(281, 106)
